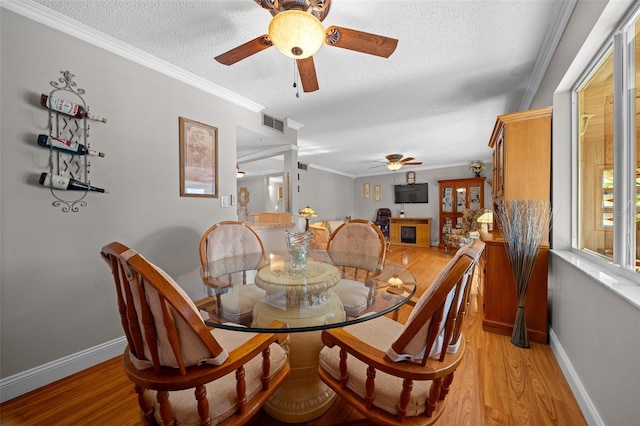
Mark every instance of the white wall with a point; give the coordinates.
(57, 293)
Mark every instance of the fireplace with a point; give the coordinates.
(408, 234)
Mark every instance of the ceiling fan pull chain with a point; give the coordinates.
(295, 78)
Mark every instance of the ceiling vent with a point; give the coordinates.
(273, 123)
(302, 166)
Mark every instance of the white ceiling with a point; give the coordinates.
(458, 65)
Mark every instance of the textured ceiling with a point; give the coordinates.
(458, 65)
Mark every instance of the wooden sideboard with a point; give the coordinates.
(521, 144)
(413, 231)
(499, 291)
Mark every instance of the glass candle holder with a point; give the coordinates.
(298, 247)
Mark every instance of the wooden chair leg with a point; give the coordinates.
(445, 386)
(203, 405)
(434, 395)
(166, 411)
(146, 408)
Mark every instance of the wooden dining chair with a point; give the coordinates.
(223, 240)
(400, 375)
(183, 372)
(358, 248)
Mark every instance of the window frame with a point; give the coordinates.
(622, 45)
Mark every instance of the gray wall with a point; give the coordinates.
(329, 194)
(57, 294)
(57, 297)
(367, 208)
(595, 332)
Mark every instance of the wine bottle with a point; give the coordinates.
(63, 182)
(66, 146)
(69, 108)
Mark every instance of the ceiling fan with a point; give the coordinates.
(395, 161)
(296, 30)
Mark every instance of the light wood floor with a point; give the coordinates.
(497, 383)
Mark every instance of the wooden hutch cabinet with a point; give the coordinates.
(521, 145)
(456, 195)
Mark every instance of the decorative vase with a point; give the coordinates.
(298, 247)
(522, 225)
(477, 174)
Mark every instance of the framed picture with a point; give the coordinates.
(198, 159)
(376, 192)
(367, 191)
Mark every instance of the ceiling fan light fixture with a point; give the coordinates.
(297, 34)
(393, 166)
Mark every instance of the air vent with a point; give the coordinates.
(273, 123)
(302, 166)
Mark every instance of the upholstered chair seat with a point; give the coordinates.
(462, 236)
(185, 373)
(358, 248)
(400, 374)
(225, 240)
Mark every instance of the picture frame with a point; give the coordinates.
(198, 159)
(376, 193)
(367, 191)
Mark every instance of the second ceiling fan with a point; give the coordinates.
(296, 30)
(395, 161)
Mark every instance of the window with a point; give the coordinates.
(608, 164)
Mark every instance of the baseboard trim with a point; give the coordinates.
(34, 378)
(588, 409)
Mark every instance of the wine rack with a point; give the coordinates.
(71, 129)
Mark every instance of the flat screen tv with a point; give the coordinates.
(414, 193)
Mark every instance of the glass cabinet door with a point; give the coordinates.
(474, 197)
(447, 199)
(461, 199)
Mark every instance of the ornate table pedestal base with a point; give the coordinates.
(303, 396)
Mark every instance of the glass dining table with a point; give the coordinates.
(324, 295)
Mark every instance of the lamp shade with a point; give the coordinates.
(487, 217)
(394, 166)
(308, 212)
(296, 33)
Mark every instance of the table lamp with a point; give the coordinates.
(486, 219)
(307, 212)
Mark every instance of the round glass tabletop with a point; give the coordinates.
(334, 290)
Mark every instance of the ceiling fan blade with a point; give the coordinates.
(267, 5)
(245, 50)
(412, 163)
(308, 76)
(360, 41)
(404, 160)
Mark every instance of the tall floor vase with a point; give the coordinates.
(522, 224)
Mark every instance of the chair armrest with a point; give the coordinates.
(200, 374)
(252, 347)
(205, 303)
(378, 359)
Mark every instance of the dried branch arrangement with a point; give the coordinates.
(522, 224)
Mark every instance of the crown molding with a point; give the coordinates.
(548, 49)
(62, 23)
